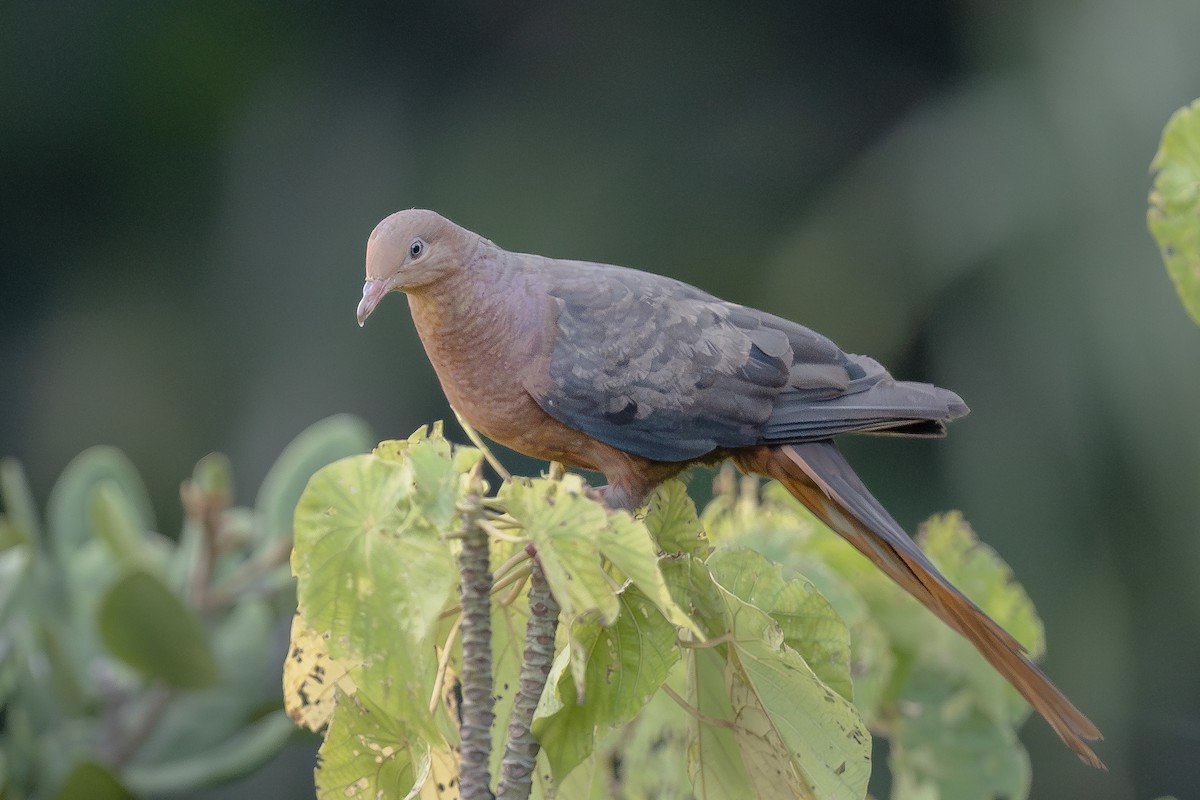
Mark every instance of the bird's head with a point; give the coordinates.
(407, 251)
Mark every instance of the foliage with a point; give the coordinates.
(134, 664)
(1174, 215)
(741, 652)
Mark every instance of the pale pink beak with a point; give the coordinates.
(373, 291)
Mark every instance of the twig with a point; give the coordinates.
(160, 698)
(274, 555)
(443, 664)
(520, 752)
(478, 697)
(516, 579)
(690, 709)
(205, 511)
(476, 440)
(496, 533)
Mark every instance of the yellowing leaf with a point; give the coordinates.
(376, 576)
(369, 754)
(312, 678)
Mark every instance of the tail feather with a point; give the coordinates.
(818, 475)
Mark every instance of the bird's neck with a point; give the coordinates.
(480, 325)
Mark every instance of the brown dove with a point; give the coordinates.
(639, 376)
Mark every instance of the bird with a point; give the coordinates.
(639, 376)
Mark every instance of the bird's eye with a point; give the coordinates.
(416, 248)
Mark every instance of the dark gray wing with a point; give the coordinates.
(657, 368)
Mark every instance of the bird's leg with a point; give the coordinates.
(619, 497)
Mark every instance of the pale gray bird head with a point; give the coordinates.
(410, 250)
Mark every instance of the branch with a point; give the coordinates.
(478, 697)
(476, 440)
(520, 752)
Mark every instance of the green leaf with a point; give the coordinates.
(90, 781)
(114, 522)
(213, 475)
(235, 757)
(376, 575)
(1174, 215)
(571, 531)
(566, 526)
(672, 521)
(809, 623)
(983, 576)
(625, 665)
(715, 763)
(71, 498)
(369, 754)
(145, 625)
(199, 721)
(439, 471)
(945, 748)
(14, 569)
(19, 507)
(787, 718)
(318, 445)
(777, 725)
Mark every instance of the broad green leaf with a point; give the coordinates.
(145, 625)
(809, 623)
(91, 781)
(235, 757)
(793, 735)
(20, 510)
(629, 547)
(571, 531)
(643, 760)
(626, 664)
(715, 763)
(318, 445)
(114, 522)
(375, 575)
(566, 526)
(14, 569)
(983, 576)
(199, 721)
(945, 748)
(871, 657)
(672, 521)
(652, 751)
(788, 722)
(1174, 215)
(438, 473)
(69, 509)
(370, 754)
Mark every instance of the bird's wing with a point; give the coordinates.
(657, 368)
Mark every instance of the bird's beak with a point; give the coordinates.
(373, 291)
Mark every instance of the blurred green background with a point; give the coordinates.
(957, 188)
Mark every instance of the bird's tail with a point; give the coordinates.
(818, 475)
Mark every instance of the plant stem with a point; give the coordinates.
(520, 752)
(478, 696)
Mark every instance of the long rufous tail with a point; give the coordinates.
(818, 475)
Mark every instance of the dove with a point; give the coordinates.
(639, 376)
